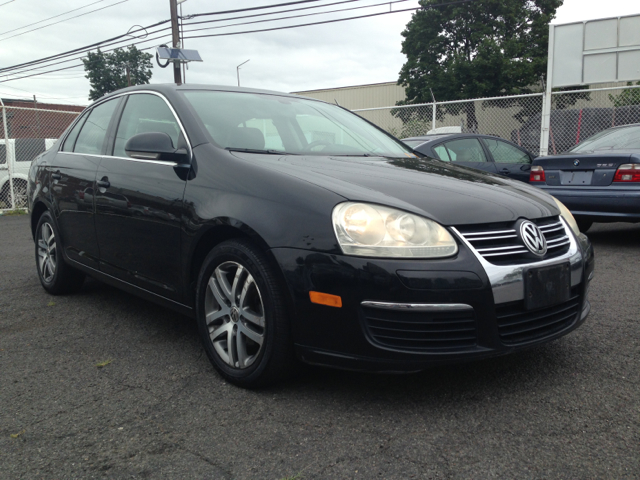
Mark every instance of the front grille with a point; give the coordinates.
(500, 243)
(517, 325)
(421, 331)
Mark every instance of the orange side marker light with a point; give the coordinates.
(325, 299)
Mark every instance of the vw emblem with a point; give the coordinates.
(533, 238)
(576, 162)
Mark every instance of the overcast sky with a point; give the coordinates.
(339, 54)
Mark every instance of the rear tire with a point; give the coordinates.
(242, 316)
(55, 275)
(584, 225)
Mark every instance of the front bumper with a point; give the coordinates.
(464, 291)
(600, 204)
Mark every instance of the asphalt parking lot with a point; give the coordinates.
(156, 408)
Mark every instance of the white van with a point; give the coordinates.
(16, 157)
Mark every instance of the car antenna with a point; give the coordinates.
(337, 102)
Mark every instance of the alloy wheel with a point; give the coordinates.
(47, 253)
(234, 314)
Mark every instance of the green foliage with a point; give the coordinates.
(626, 98)
(479, 49)
(107, 72)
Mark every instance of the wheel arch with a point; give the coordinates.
(16, 176)
(221, 231)
(39, 207)
(213, 234)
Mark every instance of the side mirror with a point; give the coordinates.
(155, 146)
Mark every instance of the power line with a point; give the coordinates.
(445, 4)
(298, 16)
(82, 56)
(270, 13)
(224, 12)
(305, 24)
(6, 3)
(64, 68)
(67, 19)
(80, 49)
(50, 18)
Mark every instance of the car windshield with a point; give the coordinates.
(618, 138)
(275, 124)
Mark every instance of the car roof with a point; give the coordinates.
(172, 87)
(437, 136)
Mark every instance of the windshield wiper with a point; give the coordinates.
(352, 155)
(255, 150)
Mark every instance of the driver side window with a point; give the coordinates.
(466, 150)
(145, 113)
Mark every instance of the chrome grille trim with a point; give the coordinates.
(505, 253)
(558, 242)
(507, 282)
(502, 244)
(497, 232)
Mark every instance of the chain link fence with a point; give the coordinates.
(575, 116)
(24, 134)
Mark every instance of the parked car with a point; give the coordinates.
(569, 126)
(483, 152)
(295, 230)
(17, 154)
(598, 179)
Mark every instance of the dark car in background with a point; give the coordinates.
(598, 179)
(483, 152)
(292, 229)
(569, 126)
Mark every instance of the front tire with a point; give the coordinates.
(242, 316)
(55, 275)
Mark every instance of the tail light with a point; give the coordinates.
(537, 174)
(629, 172)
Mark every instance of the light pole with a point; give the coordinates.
(238, 71)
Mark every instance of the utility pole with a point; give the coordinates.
(175, 32)
(238, 71)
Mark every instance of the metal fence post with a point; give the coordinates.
(433, 116)
(545, 123)
(6, 155)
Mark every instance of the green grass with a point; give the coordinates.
(17, 211)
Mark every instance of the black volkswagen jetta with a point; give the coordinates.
(292, 229)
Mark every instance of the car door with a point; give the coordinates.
(139, 203)
(72, 176)
(509, 160)
(465, 151)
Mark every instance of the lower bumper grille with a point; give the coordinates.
(421, 331)
(517, 325)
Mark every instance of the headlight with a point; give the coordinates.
(375, 231)
(568, 217)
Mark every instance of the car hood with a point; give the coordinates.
(448, 194)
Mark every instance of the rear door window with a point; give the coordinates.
(70, 141)
(92, 136)
(504, 152)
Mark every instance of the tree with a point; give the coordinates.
(482, 48)
(108, 72)
(630, 96)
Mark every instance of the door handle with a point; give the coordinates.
(56, 175)
(506, 171)
(103, 183)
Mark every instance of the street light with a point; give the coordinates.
(238, 71)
